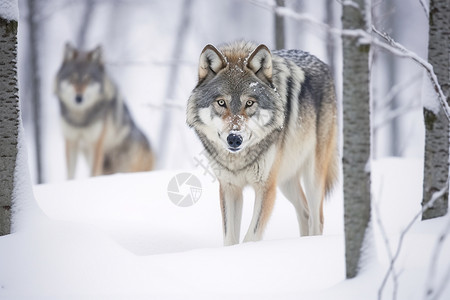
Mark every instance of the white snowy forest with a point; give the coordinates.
(121, 237)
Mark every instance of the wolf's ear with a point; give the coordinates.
(70, 52)
(211, 62)
(96, 55)
(260, 62)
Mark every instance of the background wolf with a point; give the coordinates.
(266, 119)
(95, 118)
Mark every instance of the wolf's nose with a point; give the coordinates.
(234, 141)
(78, 99)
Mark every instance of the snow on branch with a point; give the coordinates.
(349, 3)
(400, 50)
(365, 37)
(288, 12)
(9, 10)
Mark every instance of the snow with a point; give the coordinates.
(430, 99)
(25, 207)
(120, 237)
(9, 10)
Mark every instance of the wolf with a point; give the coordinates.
(266, 119)
(95, 119)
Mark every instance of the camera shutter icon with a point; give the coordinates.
(184, 189)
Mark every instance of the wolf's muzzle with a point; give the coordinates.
(78, 99)
(234, 141)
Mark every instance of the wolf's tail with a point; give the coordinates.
(332, 175)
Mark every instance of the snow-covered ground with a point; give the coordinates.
(120, 237)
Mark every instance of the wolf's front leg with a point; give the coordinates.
(71, 157)
(99, 154)
(231, 208)
(265, 194)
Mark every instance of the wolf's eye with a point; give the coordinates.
(221, 102)
(249, 103)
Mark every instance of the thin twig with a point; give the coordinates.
(397, 89)
(365, 37)
(388, 249)
(426, 9)
(402, 51)
(389, 44)
(433, 293)
(437, 195)
(392, 114)
(445, 281)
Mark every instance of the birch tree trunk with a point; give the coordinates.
(9, 119)
(436, 125)
(356, 156)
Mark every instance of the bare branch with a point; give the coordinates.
(443, 285)
(389, 44)
(287, 12)
(388, 249)
(365, 37)
(437, 195)
(434, 292)
(392, 114)
(397, 89)
(67, 4)
(399, 50)
(426, 9)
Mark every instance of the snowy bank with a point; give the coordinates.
(120, 237)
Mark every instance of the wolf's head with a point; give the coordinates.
(235, 103)
(81, 79)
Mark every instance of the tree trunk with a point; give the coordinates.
(173, 78)
(9, 119)
(298, 38)
(35, 80)
(85, 24)
(391, 68)
(436, 125)
(280, 42)
(356, 156)
(329, 19)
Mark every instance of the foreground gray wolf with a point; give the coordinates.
(266, 119)
(95, 119)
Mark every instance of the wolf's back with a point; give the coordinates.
(317, 97)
